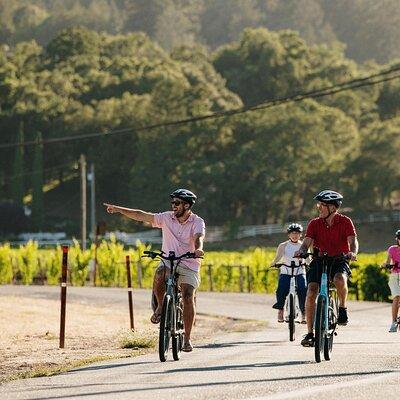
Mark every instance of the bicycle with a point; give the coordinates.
(292, 309)
(326, 312)
(389, 267)
(171, 323)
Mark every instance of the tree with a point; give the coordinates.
(17, 178)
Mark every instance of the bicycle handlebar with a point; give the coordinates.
(324, 255)
(289, 266)
(171, 256)
(390, 266)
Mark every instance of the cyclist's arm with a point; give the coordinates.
(137, 215)
(353, 244)
(279, 253)
(198, 244)
(307, 243)
(388, 261)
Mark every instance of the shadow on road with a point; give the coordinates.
(231, 367)
(99, 367)
(231, 344)
(158, 386)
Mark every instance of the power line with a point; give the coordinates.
(326, 91)
(15, 176)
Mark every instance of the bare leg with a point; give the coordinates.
(340, 281)
(189, 309)
(312, 293)
(395, 307)
(160, 276)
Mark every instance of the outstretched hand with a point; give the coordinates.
(111, 209)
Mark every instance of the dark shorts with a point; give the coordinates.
(334, 267)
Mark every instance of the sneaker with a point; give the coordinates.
(342, 317)
(308, 340)
(393, 327)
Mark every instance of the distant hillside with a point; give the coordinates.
(368, 28)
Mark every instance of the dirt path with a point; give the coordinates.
(29, 341)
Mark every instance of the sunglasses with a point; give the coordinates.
(176, 202)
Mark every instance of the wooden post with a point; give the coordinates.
(210, 277)
(63, 294)
(241, 278)
(248, 279)
(128, 273)
(82, 162)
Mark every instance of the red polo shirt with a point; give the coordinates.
(331, 239)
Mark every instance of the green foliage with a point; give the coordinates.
(111, 263)
(78, 262)
(230, 271)
(6, 270)
(27, 262)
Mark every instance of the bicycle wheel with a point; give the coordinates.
(165, 328)
(291, 317)
(332, 320)
(319, 328)
(177, 339)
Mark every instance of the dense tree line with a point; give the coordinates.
(368, 28)
(258, 167)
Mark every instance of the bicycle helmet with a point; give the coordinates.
(294, 228)
(330, 197)
(398, 234)
(185, 195)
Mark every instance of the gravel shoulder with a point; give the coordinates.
(29, 340)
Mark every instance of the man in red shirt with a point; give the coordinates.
(334, 234)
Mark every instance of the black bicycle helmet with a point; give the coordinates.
(330, 197)
(294, 228)
(398, 234)
(185, 195)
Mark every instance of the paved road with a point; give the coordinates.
(252, 365)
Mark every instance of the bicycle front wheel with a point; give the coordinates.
(177, 339)
(291, 317)
(332, 318)
(319, 328)
(165, 328)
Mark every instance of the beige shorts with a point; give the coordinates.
(394, 284)
(187, 275)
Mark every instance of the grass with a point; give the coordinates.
(137, 340)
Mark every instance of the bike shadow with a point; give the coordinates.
(242, 343)
(232, 367)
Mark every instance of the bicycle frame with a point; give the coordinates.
(171, 307)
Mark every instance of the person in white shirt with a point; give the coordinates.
(284, 254)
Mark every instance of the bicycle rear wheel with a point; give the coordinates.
(165, 328)
(291, 317)
(177, 339)
(319, 328)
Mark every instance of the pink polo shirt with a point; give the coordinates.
(394, 253)
(179, 237)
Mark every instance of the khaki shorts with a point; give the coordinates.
(394, 284)
(187, 275)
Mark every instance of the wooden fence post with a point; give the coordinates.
(129, 281)
(241, 278)
(248, 279)
(64, 269)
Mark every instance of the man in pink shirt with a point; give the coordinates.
(182, 231)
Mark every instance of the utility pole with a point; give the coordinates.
(92, 181)
(82, 162)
